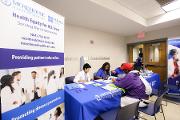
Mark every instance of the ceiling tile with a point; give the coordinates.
(144, 8)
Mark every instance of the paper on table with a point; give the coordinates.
(107, 81)
(81, 86)
(99, 80)
(109, 87)
(97, 84)
(74, 86)
(112, 77)
(88, 83)
(147, 76)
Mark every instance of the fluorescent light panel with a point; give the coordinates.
(172, 6)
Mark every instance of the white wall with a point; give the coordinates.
(163, 33)
(77, 44)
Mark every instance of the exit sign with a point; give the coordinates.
(141, 35)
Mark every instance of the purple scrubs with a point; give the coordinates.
(133, 85)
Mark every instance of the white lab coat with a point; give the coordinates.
(61, 117)
(30, 89)
(52, 86)
(7, 100)
(44, 85)
(82, 76)
(19, 95)
(61, 82)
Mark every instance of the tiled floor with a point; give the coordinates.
(171, 111)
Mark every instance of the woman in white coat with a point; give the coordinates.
(61, 80)
(58, 114)
(8, 96)
(52, 86)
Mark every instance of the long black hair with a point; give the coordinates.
(172, 52)
(61, 72)
(58, 111)
(15, 73)
(7, 80)
(104, 65)
(52, 72)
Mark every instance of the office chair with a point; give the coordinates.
(153, 108)
(69, 80)
(158, 92)
(94, 76)
(129, 112)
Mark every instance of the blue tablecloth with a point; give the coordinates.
(154, 80)
(82, 104)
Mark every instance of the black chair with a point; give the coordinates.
(129, 112)
(69, 80)
(153, 108)
(165, 87)
(94, 76)
(158, 92)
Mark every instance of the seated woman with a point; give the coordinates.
(103, 72)
(118, 72)
(83, 76)
(135, 88)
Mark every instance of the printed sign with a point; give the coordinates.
(174, 64)
(32, 61)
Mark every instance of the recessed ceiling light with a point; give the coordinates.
(172, 6)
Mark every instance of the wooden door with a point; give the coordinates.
(157, 66)
(130, 51)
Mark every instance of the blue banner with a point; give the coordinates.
(11, 58)
(175, 42)
(34, 109)
(32, 61)
(174, 64)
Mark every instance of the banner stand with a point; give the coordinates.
(32, 62)
(174, 68)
